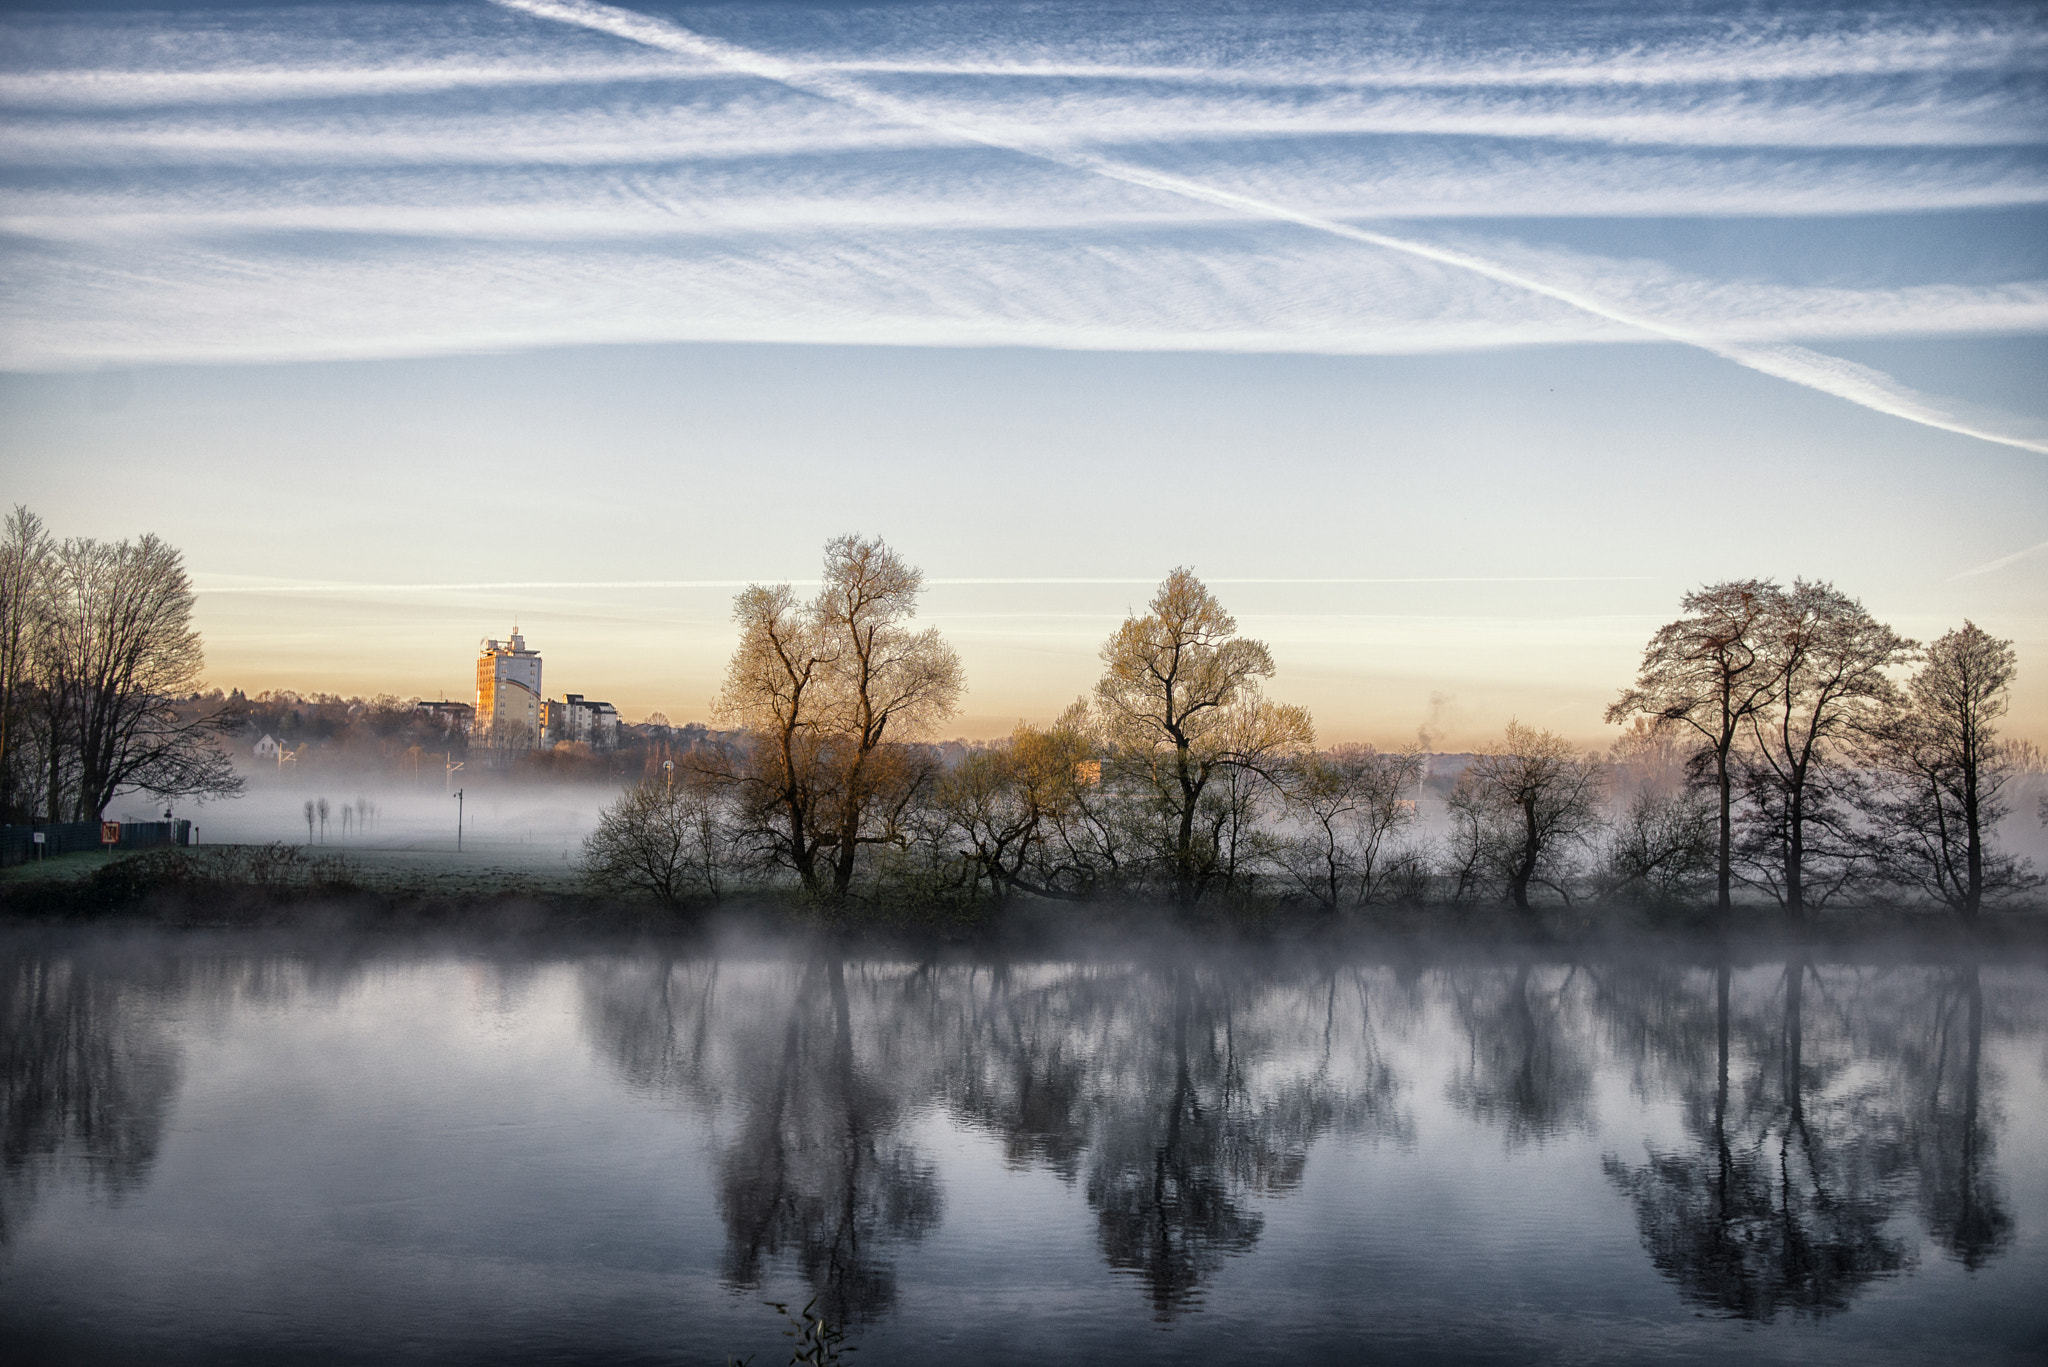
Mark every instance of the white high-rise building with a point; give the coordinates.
(508, 695)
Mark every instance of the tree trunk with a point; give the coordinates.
(1795, 849)
(1973, 835)
(1184, 855)
(1724, 866)
(1525, 867)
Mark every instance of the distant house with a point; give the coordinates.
(268, 747)
(451, 716)
(577, 718)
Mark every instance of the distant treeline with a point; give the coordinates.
(405, 739)
(1780, 745)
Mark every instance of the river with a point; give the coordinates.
(322, 1147)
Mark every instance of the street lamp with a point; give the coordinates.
(458, 820)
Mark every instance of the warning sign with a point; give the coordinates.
(110, 833)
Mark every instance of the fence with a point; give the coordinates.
(18, 843)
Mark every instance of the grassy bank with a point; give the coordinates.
(287, 885)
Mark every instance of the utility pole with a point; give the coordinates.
(458, 820)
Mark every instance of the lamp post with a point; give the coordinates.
(458, 820)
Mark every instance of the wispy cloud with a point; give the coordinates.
(1993, 566)
(1854, 383)
(380, 182)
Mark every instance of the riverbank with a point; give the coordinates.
(286, 886)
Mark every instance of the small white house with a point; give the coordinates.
(268, 747)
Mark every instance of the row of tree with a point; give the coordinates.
(99, 665)
(1772, 746)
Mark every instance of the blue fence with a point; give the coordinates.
(18, 843)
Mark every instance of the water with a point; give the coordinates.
(260, 1148)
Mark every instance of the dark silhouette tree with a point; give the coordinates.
(1944, 772)
(1830, 692)
(1705, 674)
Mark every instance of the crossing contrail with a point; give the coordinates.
(1828, 374)
(1992, 566)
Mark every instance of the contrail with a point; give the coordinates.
(524, 584)
(2001, 562)
(1830, 375)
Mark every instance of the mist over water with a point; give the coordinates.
(315, 1148)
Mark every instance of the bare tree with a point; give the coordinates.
(659, 839)
(1179, 705)
(1349, 801)
(1944, 771)
(1829, 692)
(831, 694)
(1662, 849)
(1008, 803)
(1525, 802)
(118, 653)
(24, 566)
(1706, 673)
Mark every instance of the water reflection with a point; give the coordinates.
(1952, 1144)
(1203, 1113)
(813, 1165)
(1527, 1070)
(86, 1078)
(1171, 1097)
(1814, 1104)
(1815, 1128)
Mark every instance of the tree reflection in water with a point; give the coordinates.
(1173, 1097)
(1964, 1207)
(1527, 1069)
(1805, 1133)
(85, 1078)
(814, 1169)
(1195, 1129)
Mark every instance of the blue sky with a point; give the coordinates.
(1543, 313)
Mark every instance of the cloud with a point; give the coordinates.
(1853, 383)
(1993, 566)
(392, 181)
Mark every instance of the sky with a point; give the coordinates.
(1451, 343)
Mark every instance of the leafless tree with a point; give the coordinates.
(1350, 803)
(661, 838)
(1008, 804)
(1662, 849)
(831, 695)
(117, 654)
(1706, 673)
(1944, 770)
(1525, 803)
(1828, 658)
(25, 551)
(1179, 705)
